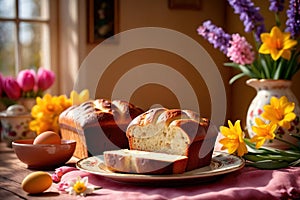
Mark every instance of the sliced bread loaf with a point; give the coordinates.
(173, 131)
(142, 162)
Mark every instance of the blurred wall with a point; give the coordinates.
(156, 13)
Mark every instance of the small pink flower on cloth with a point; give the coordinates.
(62, 186)
(59, 172)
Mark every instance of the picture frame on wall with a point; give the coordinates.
(103, 19)
(185, 4)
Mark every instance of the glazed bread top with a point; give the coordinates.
(158, 118)
(164, 130)
(99, 112)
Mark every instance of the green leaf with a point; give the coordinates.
(234, 78)
(278, 70)
(279, 157)
(255, 70)
(265, 67)
(246, 70)
(259, 157)
(269, 164)
(234, 65)
(269, 150)
(296, 163)
(252, 157)
(293, 66)
(260, 150)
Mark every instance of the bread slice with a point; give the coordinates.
(142, 162)
(173, 131)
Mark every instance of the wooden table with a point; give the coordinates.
(248, 183)
(13, 171)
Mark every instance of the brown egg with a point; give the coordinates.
(36, 182)
(47, 137)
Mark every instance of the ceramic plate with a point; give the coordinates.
(222, 163)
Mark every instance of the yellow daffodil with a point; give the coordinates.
(46, 112)
(277, 44)
(77, 99)
(233, 141)
(280, 112)
(263, 132)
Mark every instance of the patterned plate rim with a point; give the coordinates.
(222, 163)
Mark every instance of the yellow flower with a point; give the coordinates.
(77, 99)
(80, 187)
(64, 102)
(46, 113)
(263, 132)
(47, 110)
(277, 44)
(280, 112)
(233, 140)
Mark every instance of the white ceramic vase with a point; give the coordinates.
(266, 88)
(15, 128)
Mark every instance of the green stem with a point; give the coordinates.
(277, 19)
(257, 44)
(39, 93)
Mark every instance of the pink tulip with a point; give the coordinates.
(26, 79)
(1, 84)
(11, 88)
(45, 79)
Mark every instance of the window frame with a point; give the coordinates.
(51, 23)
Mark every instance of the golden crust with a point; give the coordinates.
(102, 121)
(99, 112)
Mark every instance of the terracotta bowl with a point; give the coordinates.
(43, 155)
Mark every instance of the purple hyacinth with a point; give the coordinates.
(276, 5)
(249, 15)
(215, 35)
(293, 21)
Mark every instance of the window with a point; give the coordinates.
(26, 32)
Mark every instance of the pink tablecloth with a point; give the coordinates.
(247, 183)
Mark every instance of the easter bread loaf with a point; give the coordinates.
(97, 125)
(174, 131)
